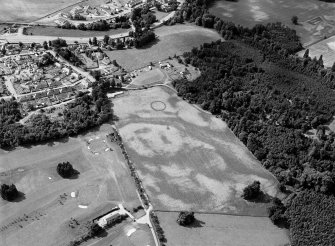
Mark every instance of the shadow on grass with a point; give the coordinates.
(262, 198)
(20, 197)
(147, 46)
(196, 224)
(75, 175)
(102, 234)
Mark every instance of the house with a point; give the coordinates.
(61, 22)
(164, 65)
(106, 61)
(76, 10)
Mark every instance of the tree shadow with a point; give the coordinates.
(75, 175)
(20, 197)
(196, 224)
(147, 46)
(262, 198)
(102, 234)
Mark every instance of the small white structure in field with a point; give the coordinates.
(131, 231)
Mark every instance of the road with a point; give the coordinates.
(146, 220)
(16, 38)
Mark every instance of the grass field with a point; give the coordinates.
(30, 10)
(218, 230)
(41, 215)
(149, 77)
(326, 48)
(171, 40)
(316, 18)
(187, 158)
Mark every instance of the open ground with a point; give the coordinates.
(171, 40)
(188, 159)
(221, 230)
(41, 216)
(30, 10)
(316, 18)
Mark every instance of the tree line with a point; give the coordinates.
(83, 113)
(270, 98)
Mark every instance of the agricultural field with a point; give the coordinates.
(326, 48)
(47, 203)
(171, 40)
(316, 18)
(187, 158)
(30, 10)
(217, 230)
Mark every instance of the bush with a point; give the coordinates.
(9, 192)
(252, 191)
(65, 169)
(294, 20)
(95, 230)
(185, 218)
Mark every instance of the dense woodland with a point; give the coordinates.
(84, 113)
(270, 99)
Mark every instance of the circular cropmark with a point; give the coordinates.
(158, 106)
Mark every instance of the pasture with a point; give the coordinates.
(30, 10)
(224, 230)
(187, 158)
(316, 18)
(171, 40)
(41, 216)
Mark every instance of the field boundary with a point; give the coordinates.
(54, 12)
(208, 212)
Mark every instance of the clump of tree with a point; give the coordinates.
(9, 192)
(185, 218)
(252, 191)
(58, 43)
(294, 20)
(46, 60)
(95, 230)
(277, 213)
(69, 55)
(142, 38)
(65, 169)
(142, 17)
